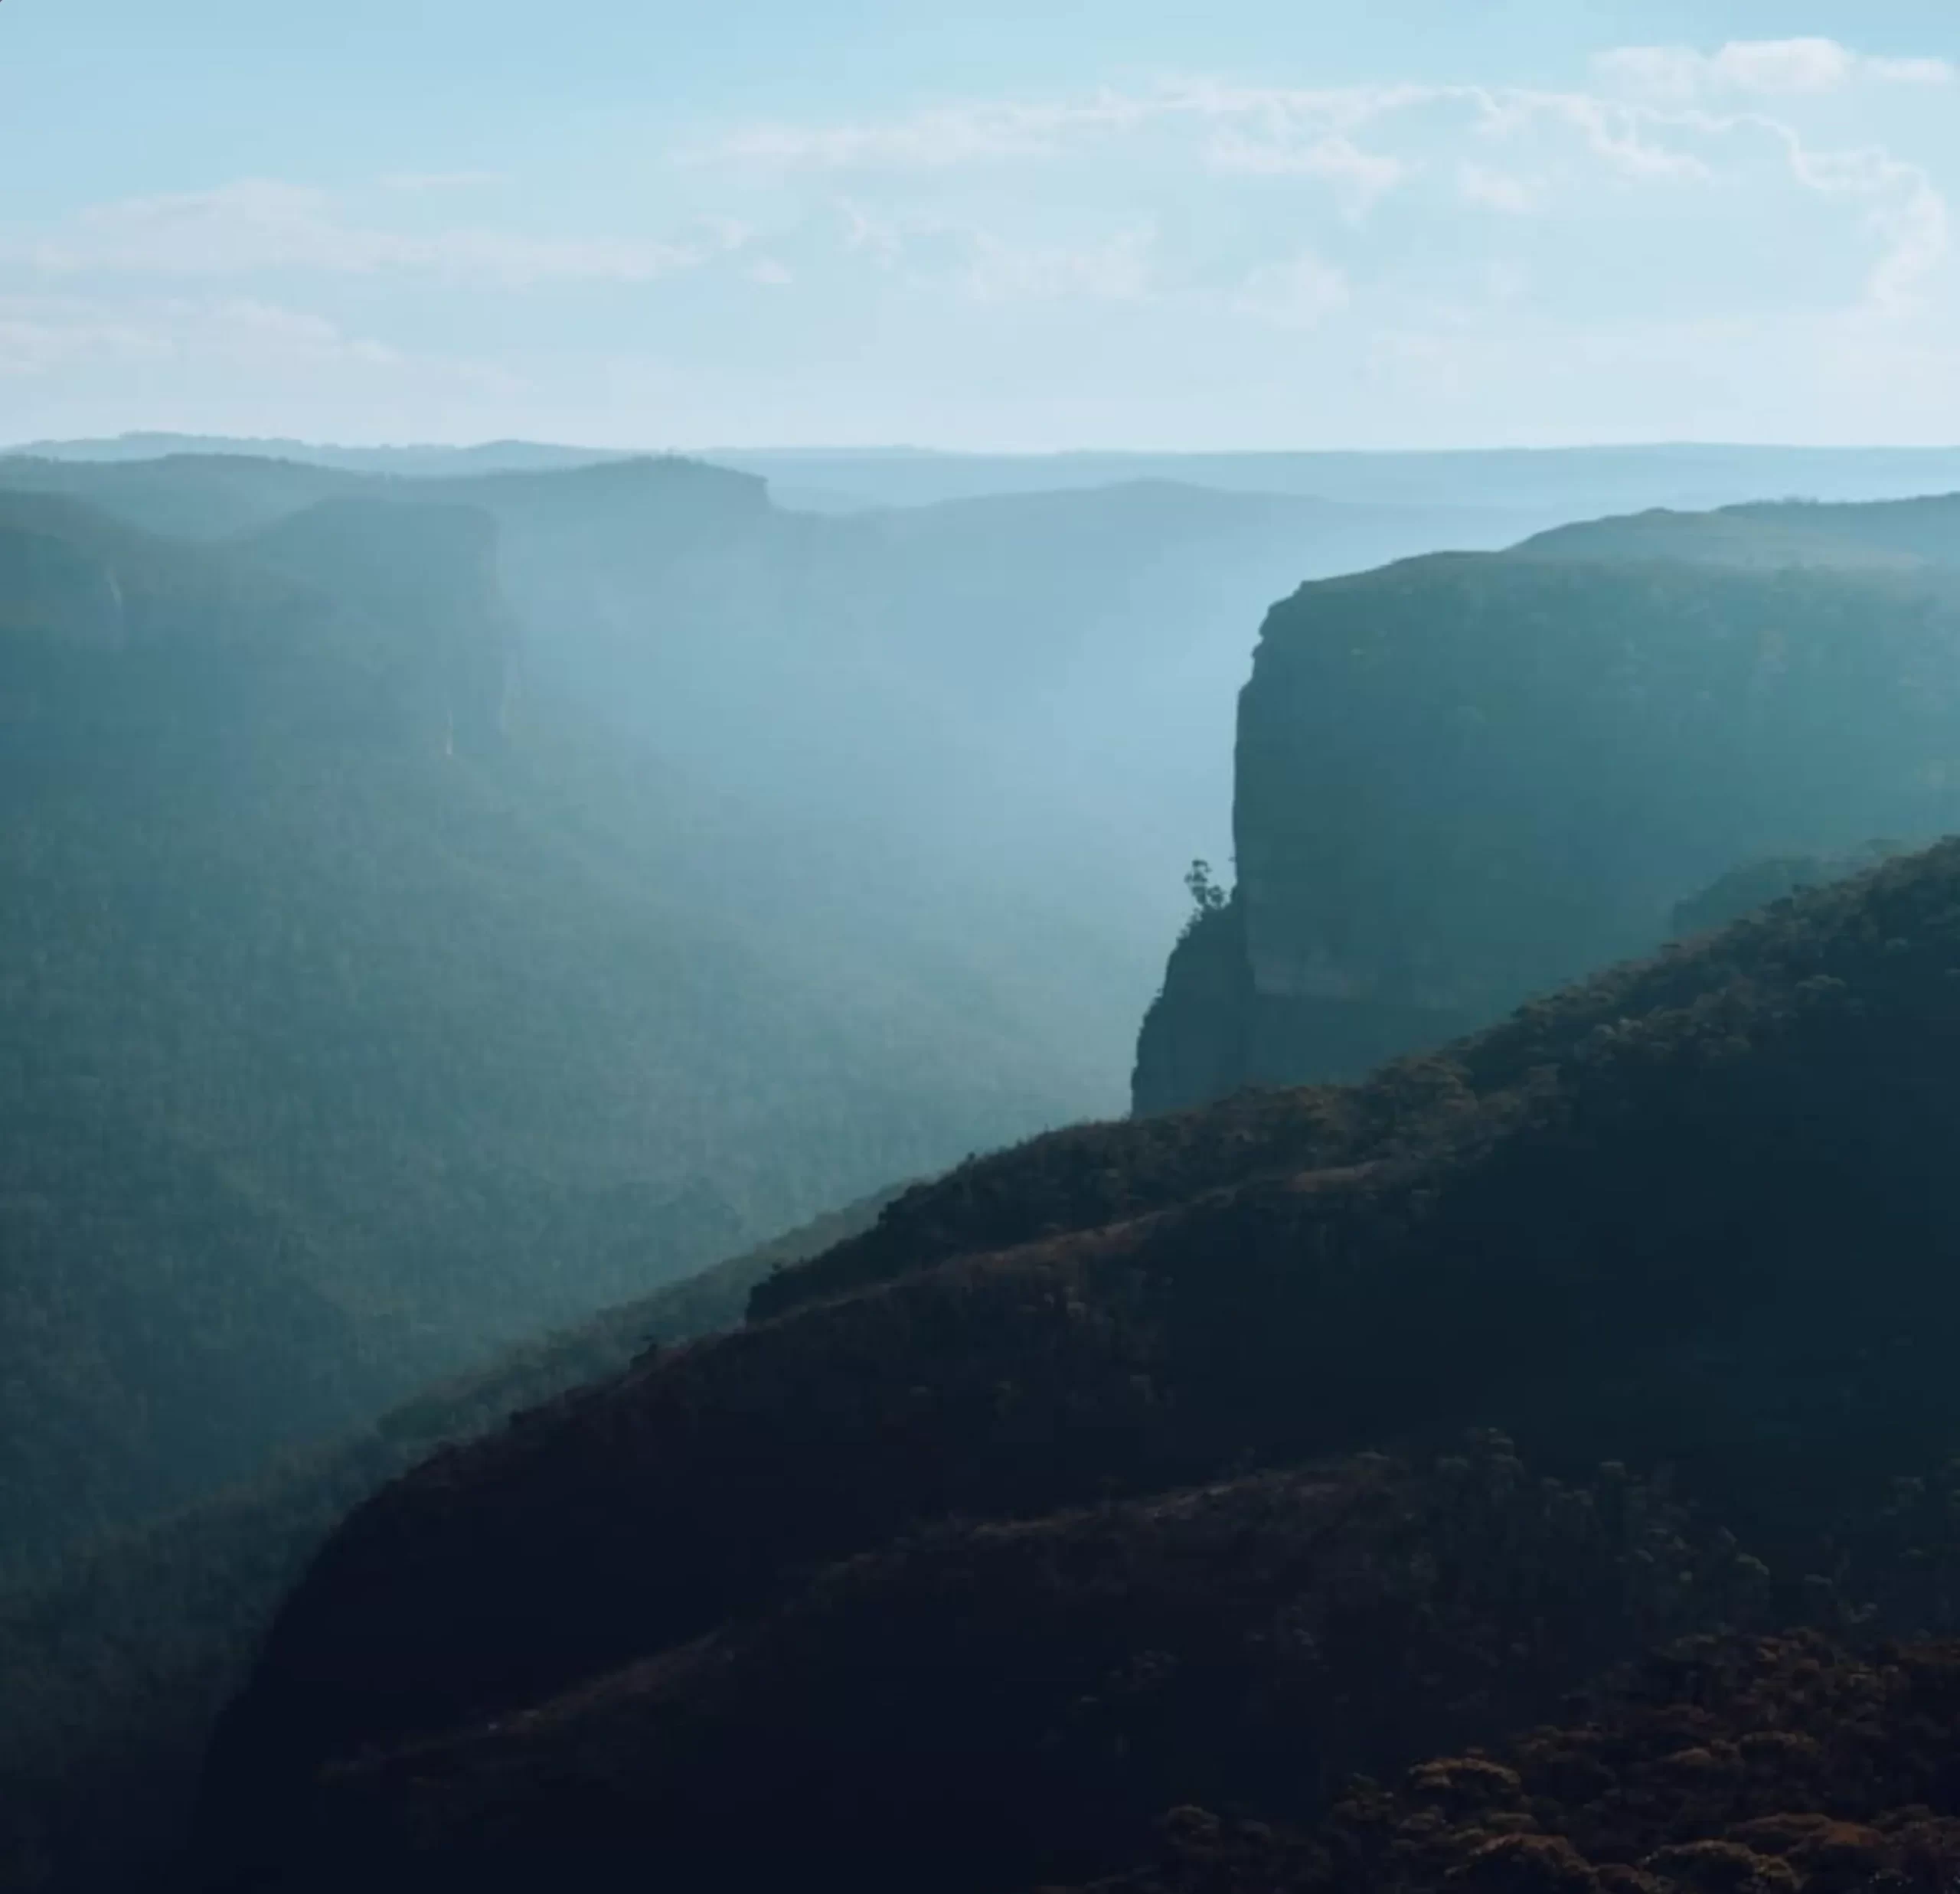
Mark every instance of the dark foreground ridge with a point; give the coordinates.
(118, 1662)
(1054, 1503)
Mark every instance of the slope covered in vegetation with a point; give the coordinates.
(998, 726)
(1901, 535)
(354, 1022)
(1041, 1501)
(118, 1660)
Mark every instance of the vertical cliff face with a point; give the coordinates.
(1213, 1030)
(1193, 1046)
(1465, 780)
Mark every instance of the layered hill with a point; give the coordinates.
(1552, 483)
(1462, 780)
(355, 1021)
(1905, 534)
(1054, 1501)
(1002, 721)
(1557, 483)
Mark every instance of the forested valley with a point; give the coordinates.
(577, 1300)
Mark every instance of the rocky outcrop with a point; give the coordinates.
(1212, 1031)
(1463, 780)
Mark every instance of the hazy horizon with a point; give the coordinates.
(464, 443)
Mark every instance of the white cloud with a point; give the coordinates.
(1116, 270)
(261, 226)
(41, 334)
(1678, 222)
(1904, 207)
(1300, 293)
(1493, 190)
(981, 132)
(420, 182)
(1514, 151)
(867, 233)
(1362, 177)
(1773, 68)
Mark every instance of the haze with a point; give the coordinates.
(979, 947)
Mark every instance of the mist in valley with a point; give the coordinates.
(994, 952)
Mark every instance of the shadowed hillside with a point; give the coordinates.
(119, 1661)
(1692, 1213)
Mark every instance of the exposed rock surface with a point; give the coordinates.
(1465, 779)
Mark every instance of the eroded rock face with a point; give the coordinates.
(1462, 781)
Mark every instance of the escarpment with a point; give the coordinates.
(1465, 779)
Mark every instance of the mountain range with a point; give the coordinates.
(1568, 483)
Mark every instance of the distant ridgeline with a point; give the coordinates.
(1464, 779)
(984, 718)
(350, 616)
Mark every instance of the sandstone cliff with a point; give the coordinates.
(1462, 780)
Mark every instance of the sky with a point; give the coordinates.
(1117, 223)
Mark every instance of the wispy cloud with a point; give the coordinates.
(1300, 293)
(43, 333)
(1361, 177)
(1117, 269)
(1669, 117)
(39, 334)
(261, 227)
(421, 183)
(1903, 206)
(980, 132)
(1764, 68)
(1691, 222)
(1491, 189)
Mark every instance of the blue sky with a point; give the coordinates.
(1276, 224)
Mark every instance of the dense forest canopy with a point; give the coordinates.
(118, 1658)
(358, 1019)
(1006, 657)
(1067, 1476)
(437, 901)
